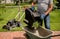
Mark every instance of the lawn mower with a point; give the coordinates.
(12, 24)
(31, 17)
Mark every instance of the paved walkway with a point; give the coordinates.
(56, 33)
(20, 35)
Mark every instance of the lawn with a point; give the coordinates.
(55, 20)
(9, 13)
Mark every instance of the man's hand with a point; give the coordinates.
(49, 9)
(42, 16)
(47, 12)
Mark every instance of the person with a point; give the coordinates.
(44, 8)
(33, 6)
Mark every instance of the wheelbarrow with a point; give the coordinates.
(38, 33)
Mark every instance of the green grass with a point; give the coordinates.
(55, 20)
(7, 14)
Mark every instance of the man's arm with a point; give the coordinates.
(49, 9)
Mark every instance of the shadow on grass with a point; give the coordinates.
(1, 19)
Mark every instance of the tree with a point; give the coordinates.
(0, 1)
(21, 1)
(58, 4)
(16, 2)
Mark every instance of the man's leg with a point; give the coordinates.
(47, 21)
(41, 19)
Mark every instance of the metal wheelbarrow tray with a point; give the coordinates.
(39, 33)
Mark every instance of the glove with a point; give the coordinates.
(42, 16)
